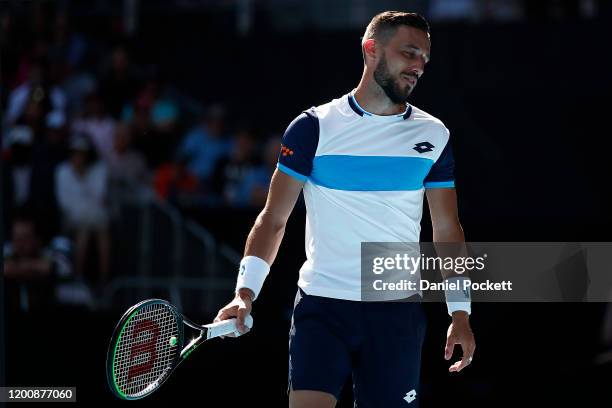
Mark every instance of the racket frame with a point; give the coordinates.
(116, 338)
(206, 332)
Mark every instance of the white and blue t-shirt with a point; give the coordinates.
(365, 176)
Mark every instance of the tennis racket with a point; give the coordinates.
(148, 344)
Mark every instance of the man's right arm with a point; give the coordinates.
(267, 233)
(265, 238)
(295, 162)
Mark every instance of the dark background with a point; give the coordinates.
(527, 105)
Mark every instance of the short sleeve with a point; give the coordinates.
(441, 174)
(299, 146)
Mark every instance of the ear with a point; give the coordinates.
(369, 49)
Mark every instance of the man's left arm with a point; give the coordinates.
(447, 228)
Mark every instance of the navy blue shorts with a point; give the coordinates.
(378, 343)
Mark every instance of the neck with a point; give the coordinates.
(371, 97)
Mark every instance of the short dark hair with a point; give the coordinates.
(384, 25)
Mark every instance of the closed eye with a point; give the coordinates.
(414, 53)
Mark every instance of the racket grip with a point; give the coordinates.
(227, 327)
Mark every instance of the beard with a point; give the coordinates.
(390, 85)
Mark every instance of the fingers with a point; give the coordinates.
(460, 365)
(459, 334)
(237, 308)
(468, 355)
(227, 312)
(223, 314)
(243, 311)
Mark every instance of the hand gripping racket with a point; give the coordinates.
(148, 344)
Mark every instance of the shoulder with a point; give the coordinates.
(333, 109)
(430, 122)
(305, 127)
(311, 120)
(306, 119)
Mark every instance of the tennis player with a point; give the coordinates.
(364, 162)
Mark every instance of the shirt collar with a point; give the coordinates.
(362, 112)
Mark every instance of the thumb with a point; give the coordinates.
(240, 316)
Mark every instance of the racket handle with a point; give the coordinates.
(227, 327)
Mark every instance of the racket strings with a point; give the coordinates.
(144, 352)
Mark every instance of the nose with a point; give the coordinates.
(417, 71)
(420, 66)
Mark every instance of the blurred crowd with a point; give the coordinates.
(85, 127)
(87, 124)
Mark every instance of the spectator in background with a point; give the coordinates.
(127, 167)
(156, 115)
(232, 172)
(33, 51)
(36, 93)
(141, 127)
(162, 110)
(99, 126)
(120, 84)
(18, 169)
(81, 189)
(66, 44)
(31, 271)
(78, 85)
(257, 182)
(56, 138)
(205, 144)
(27, 175)
(80, 63)
(34, 116)
(174, 182)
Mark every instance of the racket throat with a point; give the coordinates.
(193, 344)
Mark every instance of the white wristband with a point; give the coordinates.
(458, 295)
(252, 274)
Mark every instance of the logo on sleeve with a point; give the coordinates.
(423, 147)
(285, 151)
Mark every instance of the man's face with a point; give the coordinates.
(402, 62)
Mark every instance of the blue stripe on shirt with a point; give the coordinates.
(370, 173)
(290, 172)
